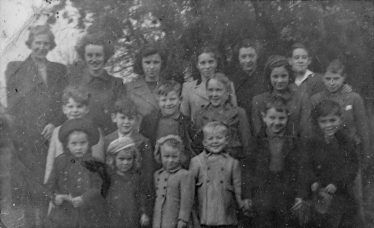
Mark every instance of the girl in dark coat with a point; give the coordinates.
(126, 200)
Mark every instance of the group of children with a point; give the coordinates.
(167, 171)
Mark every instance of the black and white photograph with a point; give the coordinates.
(186, 114)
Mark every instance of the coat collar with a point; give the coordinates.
(140, 89)
(200, 90)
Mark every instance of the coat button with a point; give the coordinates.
(166, 179)
(222, 169)
(164, 187)
(207, 181)
(221, 182)
(208, 168)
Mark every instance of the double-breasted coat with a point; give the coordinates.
(71, 176)
(174, 197)
(194, 98)
(217, 179)
(33, 103)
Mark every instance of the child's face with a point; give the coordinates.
(215, 141)
(152, 67)
(299, 60)
(170, 157)
(78, 143)
(206, 64)
(169, 104)
(125, 124)
(124, 161)
(329, 124)
(74, 110)
(247, 58)
(279, 78)
(275, 121)
(217, 93)
(333, 81)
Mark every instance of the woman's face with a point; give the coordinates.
(279, 78)
(207, 65)
(40, 46)
(152, 67)
(247, 59)
(94, 57)
(217, 93)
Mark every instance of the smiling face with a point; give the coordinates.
(40, 46)
(207, 65)
(275, 120)
(215, 141)
(279, 78)
(151, 67)
(247, 59)
(300, 60)
(333, 81)
(170, 157)
(125, 124)
(74, 110)
(124, 161)
(329, 124)
(78, 144)
(94, 58)
(217, 93)
(169, 104)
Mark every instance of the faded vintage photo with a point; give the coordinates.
(186, 114)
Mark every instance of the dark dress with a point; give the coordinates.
(104, 91)
(32, 104)
(125, 200)
(71, 176)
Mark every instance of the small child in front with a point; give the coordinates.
(174, 186)
(75, 189)
(329, 167)
(125, 199)
(217, 178)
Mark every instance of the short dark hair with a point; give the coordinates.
(146, 51)
(125, 106)
(167, 86)
(276, 102)
(208, 48)
(336, 66)
(324, 108)
(41, 30)
(297, 46)
(245, 43)
(95, 39)
(78, 94)
(273, 62)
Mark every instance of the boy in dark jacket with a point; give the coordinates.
(169, 120)
(328, 169)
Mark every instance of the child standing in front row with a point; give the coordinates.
(74, 105)
(329, 167)
(74, 188)
(174, 186)
(217, 179)
(125, 199)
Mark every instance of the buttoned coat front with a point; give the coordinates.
(32, 104)
(70, 176)
(218, 187)
(174, 197)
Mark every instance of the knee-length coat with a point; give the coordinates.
(33, 103)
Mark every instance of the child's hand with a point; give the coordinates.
(144, 220)
(47, 131)
(330, 188)
(181, 224)
(59, 199)
(247, 204)
(77, 201)
(314, 186)
(298, 204)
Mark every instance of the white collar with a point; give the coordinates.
(308, 73)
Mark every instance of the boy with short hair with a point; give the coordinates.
(275, 165)
(217, 178)
(329, 167)
(169, 120)
(126, 117)
(75, 101)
